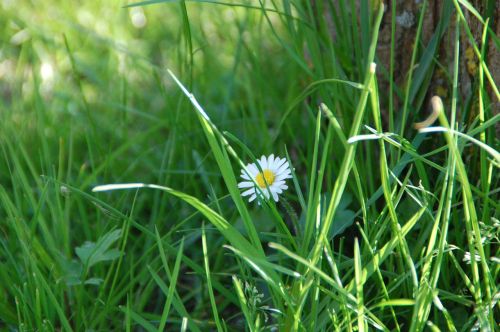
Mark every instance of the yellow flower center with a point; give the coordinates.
(266, 176)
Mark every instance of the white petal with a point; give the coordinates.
(275, 162)
(283, 177)
(263, 162)
(253, 170)
(284, 172)
(275, 195)
(252, 197)
(270, 161)
(283, 168)
(245, 173)
(245, 184)
(282, 188)
(248, 192)
(278, 164)
(278, 183)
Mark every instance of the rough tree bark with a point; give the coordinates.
(407, 12)
(407, 16)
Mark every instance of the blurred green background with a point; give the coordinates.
(86, 100)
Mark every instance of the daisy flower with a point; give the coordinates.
(269, 182)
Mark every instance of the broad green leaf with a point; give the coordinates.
(91, 253)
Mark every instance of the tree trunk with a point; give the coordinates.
(407, 19)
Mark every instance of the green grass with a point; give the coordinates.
(383, 227)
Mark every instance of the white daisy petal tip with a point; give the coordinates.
(268, 178)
